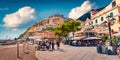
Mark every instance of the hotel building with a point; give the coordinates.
(99, 21)
(112, 10)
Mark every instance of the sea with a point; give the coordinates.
(3, 40)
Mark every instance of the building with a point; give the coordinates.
(97, 23)
(112, 10)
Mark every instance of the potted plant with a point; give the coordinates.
(112, 49)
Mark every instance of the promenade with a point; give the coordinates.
(9, 52)
(74, 53)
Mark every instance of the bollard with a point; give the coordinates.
(17, 50)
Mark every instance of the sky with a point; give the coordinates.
(16, 16)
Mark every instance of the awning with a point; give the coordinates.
(35, 37)
(91, 38)
(78, 38)
(117, 34)
(39, 39)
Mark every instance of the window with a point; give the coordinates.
(96, 21)
(114, 4)
(102, 19)
(111, 14)
(91, 22)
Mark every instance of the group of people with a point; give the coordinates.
(82, 43)
(118, 49)
(48, 45)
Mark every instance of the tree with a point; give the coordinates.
(64, 28)
(74, 26)
(58, 32)
(51, 28)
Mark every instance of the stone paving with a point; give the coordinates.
(8, 52)
(74, 53)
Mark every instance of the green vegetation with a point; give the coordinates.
(115, 39)
(63, 29)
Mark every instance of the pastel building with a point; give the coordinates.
(112, 10)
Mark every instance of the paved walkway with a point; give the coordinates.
(8, 52)
(74, 53)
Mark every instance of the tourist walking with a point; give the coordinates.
(52, 43)
(25, 47)
(58, 44)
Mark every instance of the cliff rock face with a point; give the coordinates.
(41, 28)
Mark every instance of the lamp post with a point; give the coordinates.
(109, 28)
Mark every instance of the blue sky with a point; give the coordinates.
(41, 10)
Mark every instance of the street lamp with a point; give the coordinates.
(109, 28)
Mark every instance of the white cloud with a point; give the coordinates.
(15, 29)
(23, 15)
(79, 11)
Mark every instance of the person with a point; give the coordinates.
(43, 45)
(25, 47)
(58, 44)
(39, 45)
(47, 45)
(79, 43)
(52, 42)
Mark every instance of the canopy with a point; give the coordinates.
(117, 34)
(39, 39)
(35, 37)
(78, 38)
(91, 38)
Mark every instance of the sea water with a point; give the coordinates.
(2, 40)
